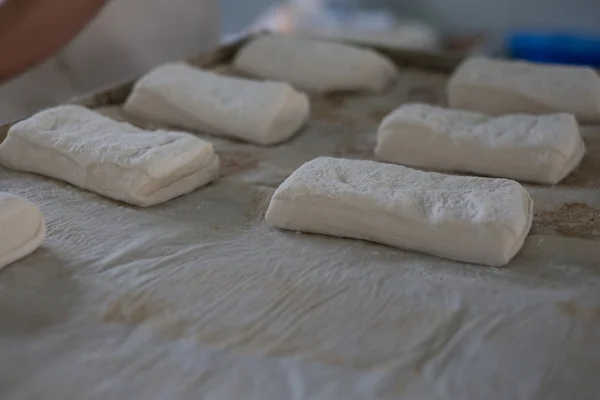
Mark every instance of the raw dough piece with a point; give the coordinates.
(478, 220)
(258, 112)
(114, 159)
(315, 65)
(22, 228)
(524, 147)
(498, 87)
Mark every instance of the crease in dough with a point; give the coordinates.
(22, 228)
(471, 219)
(178, 94)
(543, 149)
(114, 159)
(497, 87)
(315, 65)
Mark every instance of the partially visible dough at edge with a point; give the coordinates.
(22, 228)
(498, 87)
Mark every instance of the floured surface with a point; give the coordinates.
(188, 298)
(198, 297)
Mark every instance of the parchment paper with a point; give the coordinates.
(199, 298)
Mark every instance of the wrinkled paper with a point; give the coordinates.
(200, 298)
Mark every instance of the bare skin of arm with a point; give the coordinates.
(33, 30)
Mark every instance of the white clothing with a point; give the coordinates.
(127, 38)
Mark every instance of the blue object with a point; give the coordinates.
(556, 48)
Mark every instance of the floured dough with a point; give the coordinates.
(524, 147)
(478, 220)
(258, 112)
(22, 228)
(315, 65)
(114, 159)
(498, 87)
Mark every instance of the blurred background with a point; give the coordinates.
(136, 35)
(564, 31)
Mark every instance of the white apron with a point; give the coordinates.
(125, 40)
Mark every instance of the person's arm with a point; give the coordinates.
(33, 30)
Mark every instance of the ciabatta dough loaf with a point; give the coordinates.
(114, 159)
(22, 228)
(497, 87)
(531, 148)
(258, 112)
(477, 220)
(314, 65)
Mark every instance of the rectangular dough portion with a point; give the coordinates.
(315, 65)
(258, 112)
(532, 148)
(497, 87)
(114, 159)
(471, 219)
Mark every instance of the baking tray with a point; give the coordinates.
(199, 294)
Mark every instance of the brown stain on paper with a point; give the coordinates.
(328, 107)
(572, 310)
(378, 115)
(362, 152)
(587, 174)
(334, 99)
(234, 162)
(291, 305)
(134, 309)
(257, 207)
(144, 308)
(571, 219)
(417, 94)
(424, 94)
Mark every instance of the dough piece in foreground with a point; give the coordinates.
(258, 112)
(314, 65)
(114, 159)
(541, 149)
(497, 87)
(471, 219)
(22, 228)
